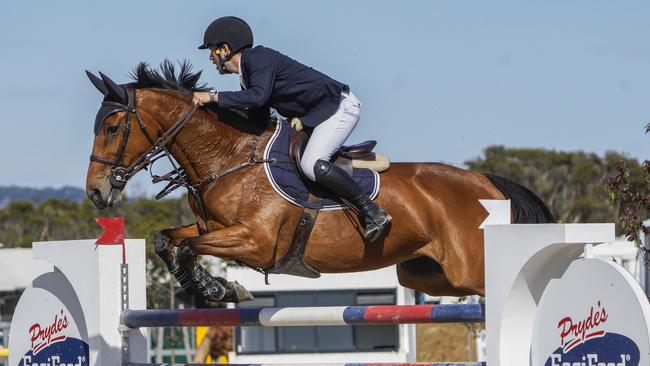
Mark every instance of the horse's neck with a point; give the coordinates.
(205, 145)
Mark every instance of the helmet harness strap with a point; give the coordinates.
(221, 62)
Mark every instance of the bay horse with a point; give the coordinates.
(434, 239)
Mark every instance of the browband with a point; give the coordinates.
(107, 109)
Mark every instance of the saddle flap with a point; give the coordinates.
(362, 147)
(297, 146)
(360, 151)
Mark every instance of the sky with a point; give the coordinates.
(438, 80)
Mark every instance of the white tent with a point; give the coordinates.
(19, 268)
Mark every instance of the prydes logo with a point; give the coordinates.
(573, 333)
(43, 336)
(50, 346)
(583, 342)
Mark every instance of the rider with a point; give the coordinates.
(325, 107)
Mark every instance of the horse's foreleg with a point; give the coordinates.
(213, 288)
(165, 242)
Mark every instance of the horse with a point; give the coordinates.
(434, 239)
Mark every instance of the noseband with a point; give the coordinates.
(121, 174)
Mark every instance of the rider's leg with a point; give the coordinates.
(324, 141)
(339, 181)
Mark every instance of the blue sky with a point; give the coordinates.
(439, 80)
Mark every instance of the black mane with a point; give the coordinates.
(185, 82)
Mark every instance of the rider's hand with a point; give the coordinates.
(200, 98)
(296, 124)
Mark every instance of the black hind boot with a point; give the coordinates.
(339, 181)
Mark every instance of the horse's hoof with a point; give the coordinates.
(235, 292)
(185, 256)
(241, 294)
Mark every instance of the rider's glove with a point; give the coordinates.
(296, 124)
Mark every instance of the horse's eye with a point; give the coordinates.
(112, 130)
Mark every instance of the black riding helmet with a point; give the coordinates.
(233, 31)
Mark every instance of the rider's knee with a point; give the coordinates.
(322, 169)
(308, 166)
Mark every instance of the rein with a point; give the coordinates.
(177, 177)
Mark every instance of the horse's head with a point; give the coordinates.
(130, 136)
(120, 138)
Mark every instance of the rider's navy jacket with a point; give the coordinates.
(293, 89)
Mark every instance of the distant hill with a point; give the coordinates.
(10, 194)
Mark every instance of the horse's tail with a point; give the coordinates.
(526, 207)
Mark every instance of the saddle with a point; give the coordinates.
(358, 156)
(347, 157)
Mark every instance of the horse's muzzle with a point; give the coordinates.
(104, 195)
(95, 195)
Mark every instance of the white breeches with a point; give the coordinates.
(328, 136)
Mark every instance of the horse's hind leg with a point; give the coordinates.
(426, 275)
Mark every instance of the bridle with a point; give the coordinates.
(177, 178)
(120, 175)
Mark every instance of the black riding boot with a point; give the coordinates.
(339, 181)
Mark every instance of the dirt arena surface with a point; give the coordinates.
(445, 342)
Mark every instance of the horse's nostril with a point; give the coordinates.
(95, 195)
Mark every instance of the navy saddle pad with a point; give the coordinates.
(292, 186)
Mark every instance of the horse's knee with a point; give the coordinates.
(163, 247)
(185, 254)
(161, 240)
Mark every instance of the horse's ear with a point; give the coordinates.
(116, 93)
(97, 82)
